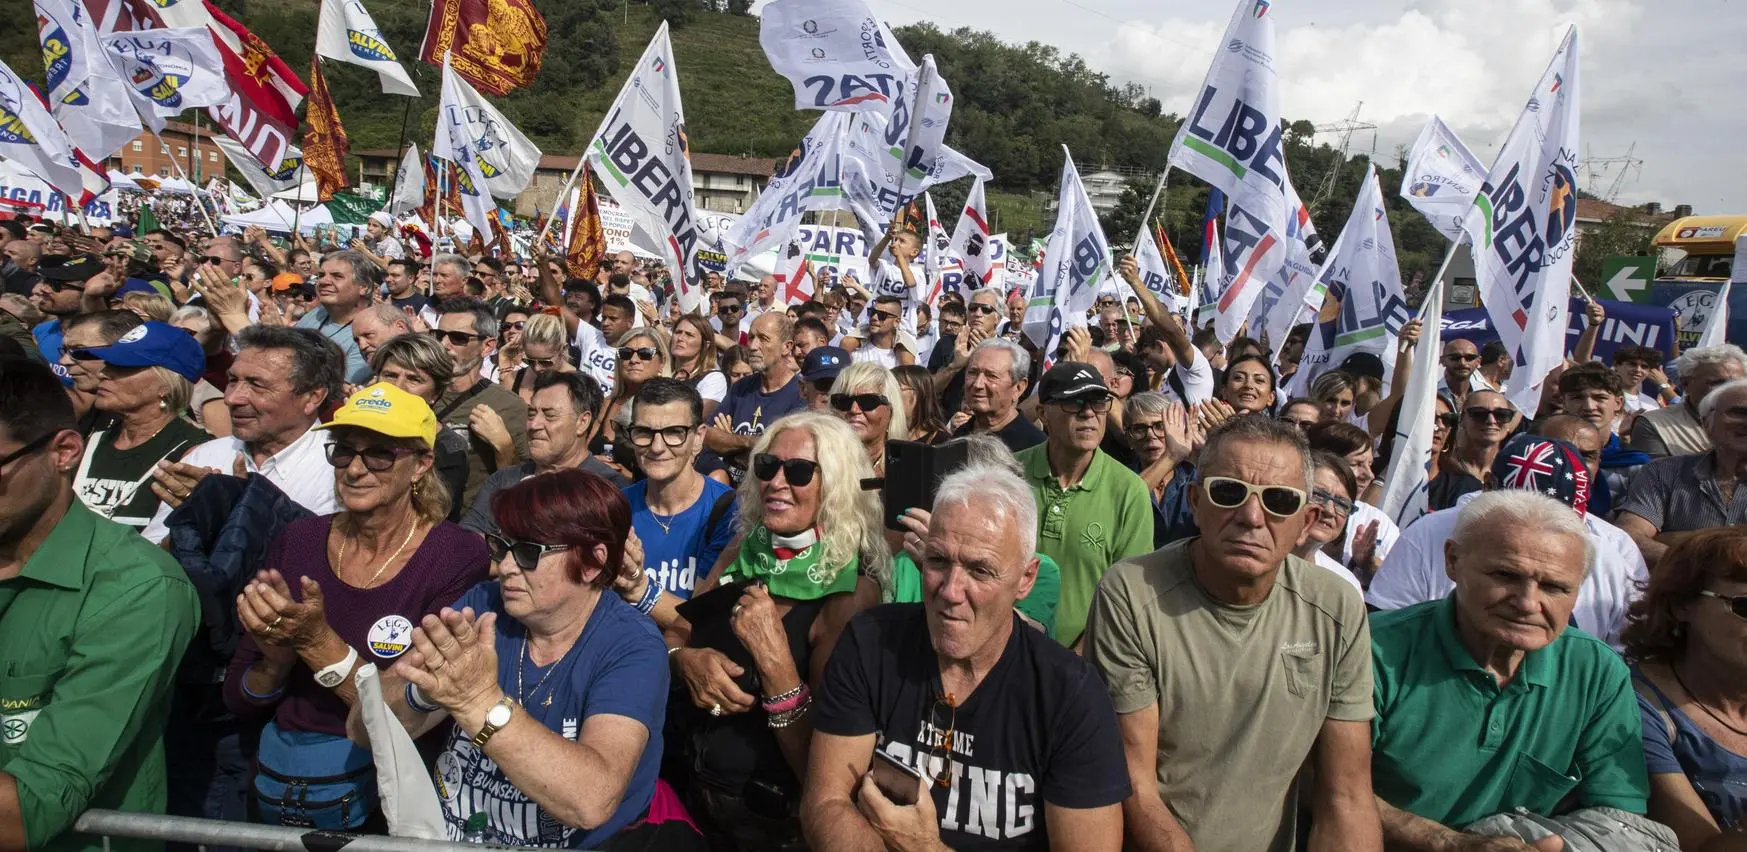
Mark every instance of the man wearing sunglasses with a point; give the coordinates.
(1093, 512)
(1281, 669)
(494, 421)
(730, 308)
(952, 353)
(58, 294)
(96, 621)
(1461, 370)
(881, 341)
(1674, 497)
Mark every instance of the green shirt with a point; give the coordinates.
(1450, 745)
(92, 629)
(1038, 605)
(1105, 518)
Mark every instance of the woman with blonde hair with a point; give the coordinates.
(150, 306)
(146, 381)
(867, 396)
(813, 555)
(545, 351)
(419, 365)
(642, 355)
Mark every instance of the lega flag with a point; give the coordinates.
(265, 183)
(970, 240)
(642, 155)
(1363, 281)
(1717, 330)
(1232, 140)
(808, 180)
(1524, 228)
(1442, 178)
(409, 183)
(85, 94)
(345, 32)
(454, 142)
(506, 157)
(169, 71)
(1076, 260)
(1405, 485)
(837, 53)
(30, 137)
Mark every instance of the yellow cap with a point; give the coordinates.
(387, 410)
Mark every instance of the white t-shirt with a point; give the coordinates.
(869, 353)
(1414, 572)
(598, 359)
(1387, 531)
(301, 470)
(713, 386)
(1196, 376)
(1324, 560)
(1636, 402)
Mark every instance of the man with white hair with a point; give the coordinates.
(1672, 498)
(1011, 737)
(448, 281)
(1675, 430)
(993, 381)
(1488, 705)
(378, 324)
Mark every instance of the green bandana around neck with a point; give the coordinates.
(799, 577)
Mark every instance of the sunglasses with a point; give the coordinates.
(215, 260)
(728, 310)
(376, 459)
(1449, 419)
(526, 553)
(673, 436)
(942, 749)
(642, 353)
(1101, 405)
(1228, 493)
(1461, 356)
(517, 326)
(455, 338)
(1737, 603)
(1329, 498)
(979, 308)
(885, 315)
(798, 472)
(865, 401)
(1496, 415)
(542, 363)
(82, 355)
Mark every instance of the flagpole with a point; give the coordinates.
(296, 208)
(1586, 296)
(405, 113)
(1158, 191)
(903, 160)
(184, 176)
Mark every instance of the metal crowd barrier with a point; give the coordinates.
(274, 838)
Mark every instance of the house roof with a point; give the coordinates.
(1596, 210)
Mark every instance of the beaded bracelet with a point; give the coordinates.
(785, 702)
(787, 718)
(415, 698)
(651, 596)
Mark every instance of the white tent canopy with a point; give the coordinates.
(278, 216)
(308, 193)
(123, 181)
(176, 186)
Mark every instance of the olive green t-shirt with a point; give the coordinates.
(1242, 691)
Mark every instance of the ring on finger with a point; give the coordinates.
(716, 709)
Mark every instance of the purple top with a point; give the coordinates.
(377, 621)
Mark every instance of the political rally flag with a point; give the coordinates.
(1717, 330)
(1406, 484)
(1442, 178)
(506, 157)
(345, 32)
(32, 138)
(265, 183)
(409, 183)
(496, 45)
(588, 235)
(1276, 309)
(85, 93)
(837, 53)
(807, 180)
(1363, 281)
(1524, 228)
(168, 71)
(1155, 272)
(325, 144)
(891, 157)
(1076, 261)
(262, 109)
(936, 252)
(970, 239)
(1232, 139)
(454, 143)
(642, 155)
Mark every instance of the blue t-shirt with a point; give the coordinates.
(618, 666)
(357, 369)
(1718, 775)
(752, 410)
(683, 552)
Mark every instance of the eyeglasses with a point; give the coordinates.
(1125, 372)
(1228, 493)
(644, 353)
(1329, 498)
(798, 472)
(542, 363)
(1303, 425)
(1496, 415)
(526, 553)
(82, 355)
(26, 450)
(728, 310)
(672, 436)
(1448, 419)
(865, 401)
(980, 308)
(1141, 430)
(215, 260)
(942, 746)
(1461, 356)
(455, 338)
(1101, 405)
(1737, 603)
(376, 459)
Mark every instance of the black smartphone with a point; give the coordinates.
(897, 781)
(712, 605)
(913, 474)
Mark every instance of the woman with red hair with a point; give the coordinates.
(557, 690)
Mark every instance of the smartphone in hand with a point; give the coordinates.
(897, 781)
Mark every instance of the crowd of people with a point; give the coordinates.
(630, 582)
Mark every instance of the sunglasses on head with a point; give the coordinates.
(642, 353)
(527, 553)
(1737, 603)
(1496, 415)
(457, 338)
(1229, 493)
(376, 459)
(865, 401)
(798, 472)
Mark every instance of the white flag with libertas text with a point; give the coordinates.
(1076, 260)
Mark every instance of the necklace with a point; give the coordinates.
(666, 527)
(526, 659)
(341, 559)
(1701, 705)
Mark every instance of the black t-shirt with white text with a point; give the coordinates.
(1039, 728)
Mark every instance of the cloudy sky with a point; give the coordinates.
(1669, 75)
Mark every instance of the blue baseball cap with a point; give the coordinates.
(824, 362)
(135, 285)
(156, 344)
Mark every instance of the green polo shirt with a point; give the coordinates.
(1450, 745)
(1105, 518)
(91, 631)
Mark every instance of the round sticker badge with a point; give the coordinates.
(390, 636)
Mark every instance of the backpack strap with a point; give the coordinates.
(719, 510)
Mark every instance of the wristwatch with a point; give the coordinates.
(335, 674)
(495, 718)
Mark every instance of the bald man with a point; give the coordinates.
(18, 273)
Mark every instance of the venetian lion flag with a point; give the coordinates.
(325, 144)
(1524, 228)
(345, 32)
(494, 44)
(588, 236)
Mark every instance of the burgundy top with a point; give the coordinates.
(376, 621)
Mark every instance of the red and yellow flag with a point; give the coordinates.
(325, 143)
(495, 44)
(1171, 258)
(588, 238)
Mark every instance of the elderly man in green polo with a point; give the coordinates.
(93, 620)
(1499, 726)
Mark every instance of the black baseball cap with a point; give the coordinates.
(1072, 381)
(74, 267)
(1363, 364)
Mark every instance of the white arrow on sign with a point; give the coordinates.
(1624, 284)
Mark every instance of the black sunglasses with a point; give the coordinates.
(1737, 603)
(544, 363)
(376, 459)
(798, 472)
(644, 353)
(458, 338)
(1101, 405)
(1228, 493)
(980, 308)
(214, 259)
(26, 450)
(725, 310)
(1462, 356)
(886, 315)
(1449, 419)
(1496, 415)
(865, 401)
(518, 326)
(527, 553)
(673, 436)
(942, 749)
